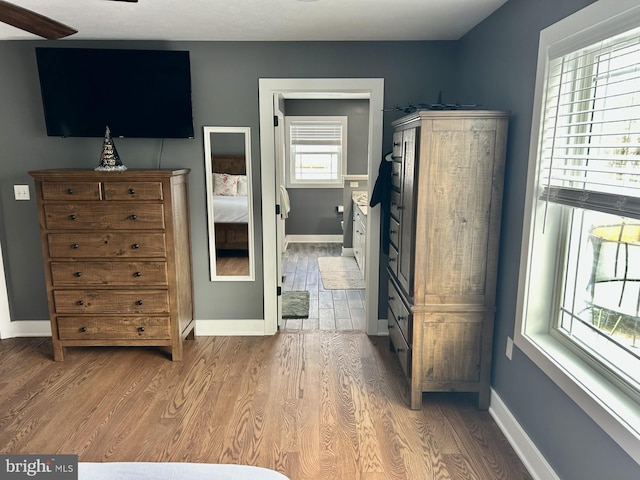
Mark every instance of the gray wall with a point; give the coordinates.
(313, 210)
(225, 93)
(497, 66)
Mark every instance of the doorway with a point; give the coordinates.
(270, 90)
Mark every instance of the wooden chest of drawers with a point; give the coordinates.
(117, 257)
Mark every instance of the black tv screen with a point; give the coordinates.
(137, 93)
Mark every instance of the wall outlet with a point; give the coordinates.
(21, 192)
(509, 351)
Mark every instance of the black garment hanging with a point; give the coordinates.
(381, 194)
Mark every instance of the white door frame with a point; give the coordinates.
(371, 88)
(5, 314)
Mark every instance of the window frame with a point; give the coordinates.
(600, 398)
(291, 181)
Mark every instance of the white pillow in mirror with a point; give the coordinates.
(242, 185)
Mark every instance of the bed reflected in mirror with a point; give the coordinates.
(227, 156)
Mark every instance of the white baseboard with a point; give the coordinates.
(229, 328)
(42, 328)
(314, 238)
(531, 457)
(383, 327)
(348, 252)
(27, 328)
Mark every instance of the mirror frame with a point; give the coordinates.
(208, 133)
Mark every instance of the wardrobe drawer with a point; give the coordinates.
(394, 232)
(111, 301)
(395, 204)
(132, 191)
(104, 215)
(108, 273)
(393, 259)
(396, 174)
(70, 191)
(400, 312)
(400, 347)
(113, 328)
(107, 245)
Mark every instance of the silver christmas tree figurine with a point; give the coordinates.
(109, 158)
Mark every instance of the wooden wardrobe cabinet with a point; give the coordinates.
(446, 201)
(117, 257)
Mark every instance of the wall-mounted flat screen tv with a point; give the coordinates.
(137, 93)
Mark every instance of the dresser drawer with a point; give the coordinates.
(132, 191)
(104, 215)
(400, 312)
(401, 347)
(113, 328)
(108, 273)
(111, 301)
(108, 245)
(70, 191)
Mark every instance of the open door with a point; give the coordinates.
(279, 153)
(279, 88)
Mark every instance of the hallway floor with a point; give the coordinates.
(328, 309)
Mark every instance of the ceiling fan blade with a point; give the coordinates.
(33, 22)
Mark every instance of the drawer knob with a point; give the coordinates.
(70, 191)
(137, 274)
(392, 260)
(132, 191)
(391, 297)
(80, 302)
(133, 217)
(396, 144)
(75, 246)
(140, 329)
(83, 329)
(395, 174)
(138, 302)
(400, 350)
(401, 318)
(72, 217)
(77, 274)
(393, 232)
(391, 326)
(135, 246)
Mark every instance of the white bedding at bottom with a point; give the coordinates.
(227, 209)
(173, 471)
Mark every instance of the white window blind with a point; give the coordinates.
(590, 144)
(316, 150)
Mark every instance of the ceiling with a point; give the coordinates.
(261, 20)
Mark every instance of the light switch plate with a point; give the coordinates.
(21, 192)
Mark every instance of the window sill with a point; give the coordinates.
(617, 414)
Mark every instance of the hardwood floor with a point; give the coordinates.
(328, 309)
(312, 405)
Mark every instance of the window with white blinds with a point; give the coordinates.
(316, 150)
(579, 293)
(590, 144)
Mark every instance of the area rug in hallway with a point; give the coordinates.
(340, 273)
(295, 304)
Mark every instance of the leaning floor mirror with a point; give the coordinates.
(227, 158)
